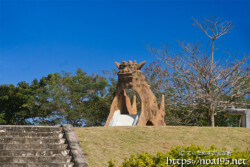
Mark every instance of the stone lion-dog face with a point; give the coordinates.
(127, 69)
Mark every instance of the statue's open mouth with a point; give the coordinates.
(125, 77)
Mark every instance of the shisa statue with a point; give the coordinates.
(130, 77)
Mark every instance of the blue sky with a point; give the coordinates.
(39, 37)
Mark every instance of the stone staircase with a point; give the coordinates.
(34, 146)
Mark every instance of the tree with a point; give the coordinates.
(80, 100)
(14, 104)
(77, 99)
(157, 77)
(39, 104)
(199, 80)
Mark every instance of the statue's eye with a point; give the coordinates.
(122, 66)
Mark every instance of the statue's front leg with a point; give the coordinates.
(142, 120)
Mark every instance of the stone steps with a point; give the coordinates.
(36, 159)
(18, 153)
(34, 146)
(23, 140)
(30, 129)
(32, 134)
(36, 164)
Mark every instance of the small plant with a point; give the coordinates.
(188, 156)
(111, 163)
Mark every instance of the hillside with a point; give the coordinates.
(101, 143)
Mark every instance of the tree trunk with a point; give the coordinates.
(212, 119)
(212, 59)
(211, 116)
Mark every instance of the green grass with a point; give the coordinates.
(103, 143)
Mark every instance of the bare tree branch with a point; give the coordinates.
(198, 80)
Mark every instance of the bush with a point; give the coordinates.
(188, 156)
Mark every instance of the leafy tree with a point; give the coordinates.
(97, 110)
(2, 120)
(14, 104)
(74, 98)
(112, 79)
(79, 99)
(39, 104)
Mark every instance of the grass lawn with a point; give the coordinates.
(103, 143)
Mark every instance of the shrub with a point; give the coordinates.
(188, 156)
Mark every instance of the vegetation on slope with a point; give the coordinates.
(102, 144)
